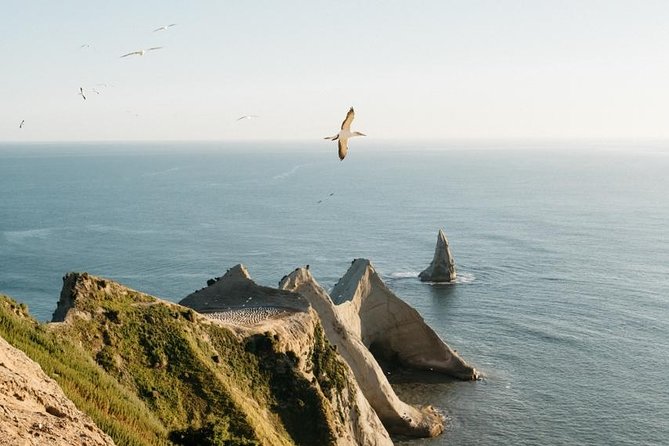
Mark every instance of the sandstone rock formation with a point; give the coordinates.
(34, 410)
(236, 301)
(389, 327)
(235, 294)
(442, 268)
(397, 416)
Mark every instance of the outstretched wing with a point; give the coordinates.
(154, 48)
(130, 54)
(343, 148)
(346, 125)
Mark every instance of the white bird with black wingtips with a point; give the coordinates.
(163, 28)
(142, 52)
(344, 134)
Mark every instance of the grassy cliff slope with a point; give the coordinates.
(150, 372)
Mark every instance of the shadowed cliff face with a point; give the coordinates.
(389, 326)
(397, 416)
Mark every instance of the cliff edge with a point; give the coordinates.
(33, 408)
(389, 327)
(288, 318)
(396, 415)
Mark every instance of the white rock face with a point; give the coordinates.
(35, 411)
(390, 327)
(236, 301)
(397, 416)
(442, 268)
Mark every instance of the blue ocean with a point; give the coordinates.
(562, 253)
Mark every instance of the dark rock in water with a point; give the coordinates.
(442, 268)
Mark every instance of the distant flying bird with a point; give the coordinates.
(21, 125)
(142, 52)
(163, 28)
(81, 92)
(247, 117)
(85, 45)
(344, 134)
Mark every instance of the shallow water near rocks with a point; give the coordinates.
(562, 257)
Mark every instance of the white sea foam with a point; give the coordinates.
(27, 234)
(404, 275)
(462, 277)
(284, 175)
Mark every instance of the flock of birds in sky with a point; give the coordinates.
(341, 137)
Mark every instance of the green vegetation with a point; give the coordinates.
(115, 410)
(328, 369)
(150, 373)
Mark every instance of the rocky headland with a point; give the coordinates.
(232, 363)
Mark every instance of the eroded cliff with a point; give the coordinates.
(391, 328)
(397, 416)
(33, 408)
(287, 318)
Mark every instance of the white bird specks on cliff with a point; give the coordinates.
(344, 134)
(142, 52)
(163, 28)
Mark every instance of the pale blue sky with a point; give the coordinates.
(423, 69)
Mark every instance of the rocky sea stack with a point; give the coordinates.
(442, 268)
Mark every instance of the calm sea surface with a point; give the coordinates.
(563, 258)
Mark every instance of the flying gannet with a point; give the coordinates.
(81, 92)
(344, 134)
(141, 52)
(163, 28)
(247, 117)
